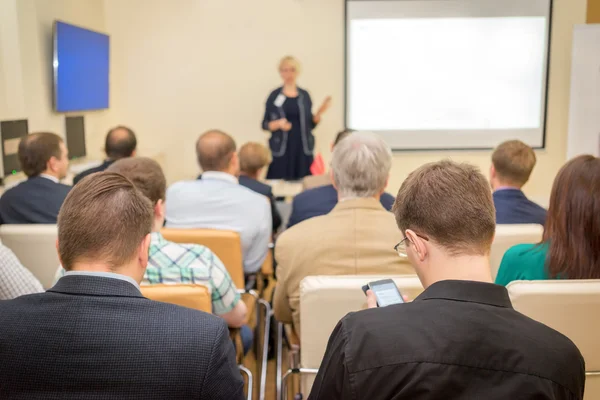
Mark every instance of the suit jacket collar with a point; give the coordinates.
(509, 192)
(362, 203)
(95, 286)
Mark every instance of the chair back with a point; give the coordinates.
(35, 246)
(185, 295)
(570, 307)
(324, 300)
(511, 235)
(227, 245)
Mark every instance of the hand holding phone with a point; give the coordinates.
(385, 292)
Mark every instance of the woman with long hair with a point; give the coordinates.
(570, 248)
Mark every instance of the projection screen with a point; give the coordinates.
(448, 74)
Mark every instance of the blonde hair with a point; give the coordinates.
(253, 156)
(291, 61)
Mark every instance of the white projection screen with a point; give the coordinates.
(448, 74)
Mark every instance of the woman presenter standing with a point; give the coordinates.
(289, 118)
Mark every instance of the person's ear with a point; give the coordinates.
(143, 251)
(134, 153)
(419, 246)
(58, 252)
(52, 164)
(159, 209)
(331, 146)
(492, 172)
(235, 163)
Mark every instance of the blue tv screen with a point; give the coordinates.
(81, 68)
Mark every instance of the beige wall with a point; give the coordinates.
(181, 67)
(26, 72)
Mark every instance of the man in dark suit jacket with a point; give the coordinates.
(512, 164)
(120, 143)
(93, 335)
(320, 201)
(44, 160)
(254, 158)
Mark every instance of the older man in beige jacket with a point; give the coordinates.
(356, 238)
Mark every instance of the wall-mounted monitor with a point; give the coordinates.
(75, 129)
(12, 132)
(81, 68)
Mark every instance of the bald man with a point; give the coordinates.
(120, 143)
(218, 201)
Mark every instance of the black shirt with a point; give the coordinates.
(457, 340)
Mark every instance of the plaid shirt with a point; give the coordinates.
(172, 263)
(15, 280)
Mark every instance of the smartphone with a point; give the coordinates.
(385, 291)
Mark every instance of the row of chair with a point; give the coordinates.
(569, 307)
(227, 246)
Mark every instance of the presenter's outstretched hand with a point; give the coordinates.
(325, 106)
(322, 110)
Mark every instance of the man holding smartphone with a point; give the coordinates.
(461, 338)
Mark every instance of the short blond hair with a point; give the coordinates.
(253, 156)
(513, 161)
(291, 60)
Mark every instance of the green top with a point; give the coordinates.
(523, 262)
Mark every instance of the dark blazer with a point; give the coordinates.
(34, 201)
(265, 190)
(320, 201)
(512, 207)
(278, 140)
(100, 168)
(98, 338)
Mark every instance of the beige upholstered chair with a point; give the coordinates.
(324, 300)
(570, 307)
(185, 295)
(510, 235)
(35, 247)
(196, 297)
(227, 246)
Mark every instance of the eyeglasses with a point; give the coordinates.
(401, 247)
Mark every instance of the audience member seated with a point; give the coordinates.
(93, 335)
(322, 199)
(356, 238)
(461, 338)
(570, 247)
(15, 279)
(120, 143)
(172, 263)
(44, 160)
(512, 163)
(218, 201)
(313, 181)
(254, 157)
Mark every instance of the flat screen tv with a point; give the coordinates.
(81, 68)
